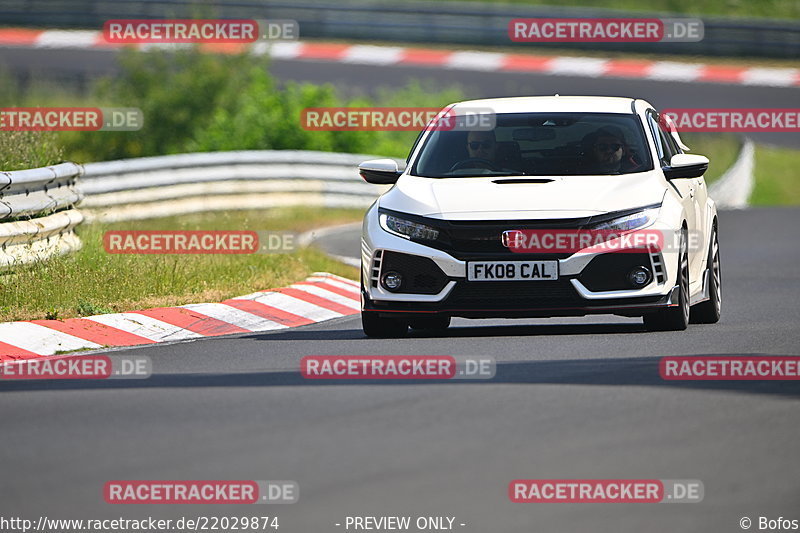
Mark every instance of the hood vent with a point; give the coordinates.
(511, 181)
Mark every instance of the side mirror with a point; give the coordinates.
(686, 166)
(380, 171)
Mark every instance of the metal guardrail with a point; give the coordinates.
(37, 213)
(35, 191)
(733, 189)
(411, 21)
(188, 183)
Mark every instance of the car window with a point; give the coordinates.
(672, 146)
(538, 144)
(667, 147)
(667, 132)
(653, 123)
(669, 151)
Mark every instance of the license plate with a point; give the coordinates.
(512, 270)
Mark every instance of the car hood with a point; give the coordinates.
(522, 197)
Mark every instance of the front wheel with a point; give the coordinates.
(675, 318)
(382, 328)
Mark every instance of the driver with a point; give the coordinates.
(482, 145)
(482, 149)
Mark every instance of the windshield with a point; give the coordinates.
(538, 144)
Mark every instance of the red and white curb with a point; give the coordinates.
(457, 60)
(320, 297)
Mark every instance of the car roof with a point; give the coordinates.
(551, 104)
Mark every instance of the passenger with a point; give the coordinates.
(605, 152)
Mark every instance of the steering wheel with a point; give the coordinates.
(476, 162)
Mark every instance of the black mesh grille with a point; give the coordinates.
(467, 239)
(420, 274)
(513, 294)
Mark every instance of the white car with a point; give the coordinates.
(444, 240)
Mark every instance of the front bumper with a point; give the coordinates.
(477, 305)
(589, 283)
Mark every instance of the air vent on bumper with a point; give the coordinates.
(421, 275)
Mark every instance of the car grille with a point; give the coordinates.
(477, 239)
(513, 295)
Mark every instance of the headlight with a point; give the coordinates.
(639, 220)
(408, 229)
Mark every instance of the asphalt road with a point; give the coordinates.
(82, 66)
(572, 399)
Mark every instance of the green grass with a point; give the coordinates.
(780, 9)
(720, 148)
(777, 174)
(92, 281)
(32, 149)
(28, 149)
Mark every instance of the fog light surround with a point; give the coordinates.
(392, 280)
(640, 277)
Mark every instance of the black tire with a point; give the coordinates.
(708, 312)
(382, 328)
(436, 323)
(675, 318)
